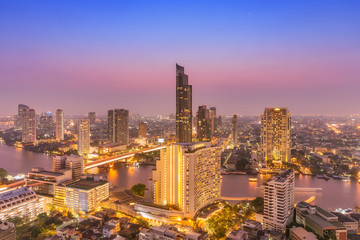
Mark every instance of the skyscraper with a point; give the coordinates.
(46, 122)
(203, 124)
(18, 118)
(92, 117)
(118, 126)
(213, 119)
(234, 130)
(183, 107)
(59, 125)
(28, 123)
(142, 130)
(275, 135)
(84, 136)
(279, 200)
(188, 176)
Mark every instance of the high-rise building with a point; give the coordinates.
(213, 119)
(118, 126)
(275, 135)
(188, 176)
(21, 202)
(18, 117)
(234, 130)
(92, 117)
(76, 165)
(203, 124)
(46, 123)
(183, 107)
(142, 130)
(59, 125)
(84, 136)
(279, 200)
(58, 163)
(28, 119)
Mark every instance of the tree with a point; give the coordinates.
(3, 174)
(139, 189)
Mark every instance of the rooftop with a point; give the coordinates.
(86, 184)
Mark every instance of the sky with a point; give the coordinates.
(241, 56)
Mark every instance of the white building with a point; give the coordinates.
(28, 123)
(279, 200)
(21, 202)
(59, 125)
(84, 136)
(188, 176)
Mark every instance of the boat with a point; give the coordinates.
(319, 176)
(336, 177)
(253, 179)
(346, 179)
(325, 177)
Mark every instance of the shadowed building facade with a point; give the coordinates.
(118, 126)
(183, 107)
(203, 124)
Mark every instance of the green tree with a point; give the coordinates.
(3, 174)
(139, 189)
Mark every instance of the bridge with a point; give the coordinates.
(120, 157)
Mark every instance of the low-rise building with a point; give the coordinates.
(350, 224)
(299, 233)
(7, 231)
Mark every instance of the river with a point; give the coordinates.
(333, 194)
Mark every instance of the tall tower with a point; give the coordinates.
(183, 107)
(275, 135)
(46, 123)
(203, 124)
(84, 136)
(59, 125)
(213, 119)
(279, 200)
(28, 125)
(118, 126)
(18, 119)
(188, 176)
(234, 130)
(92, 117)
(142, 130)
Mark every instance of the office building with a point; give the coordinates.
(85, 195)
(142, 130)
(279, 200)
(183, 107)
(299, 233)
(7, 231)
(21, 202)
(18, 117)
(118, 126)
(76, 165)
(213, 119)
(92, 117)
(188, 176)
(275, 135)
(58, 163)
(46, 123)
(203, 124)
(234, 130)
(28, 119)
(83, 136)
(59, 125)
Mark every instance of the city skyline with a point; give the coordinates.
(240, 57)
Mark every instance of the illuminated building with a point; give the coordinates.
(188, 176)
(92, 117)
(183, 107)
(21, 202)
(46, 123)
(76, 165)
(28, 119)
(84, 136)
(59, 125)
(275, 135)
(18, 118)
(279, 200)
(142, 130)
(203, 124)
(85, 195)
(118, 126)
(234, 130)
(7, 231)
(213, 119)
(58, 163)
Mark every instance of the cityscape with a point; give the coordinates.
(168, 144)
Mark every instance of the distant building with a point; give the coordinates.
(18, 118)
(28, 123)
(46, 123)
(21, 202)
(92, 117)
(7, 231)
(183, 107)
(188, 176)
(213, 118)
(275, 135)
(204, 122)
(118, 126)
(84, 136)
(279, 200)
(142, 130)
(166, 232)
(59, 125)
(111, 147)
(234, 130)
